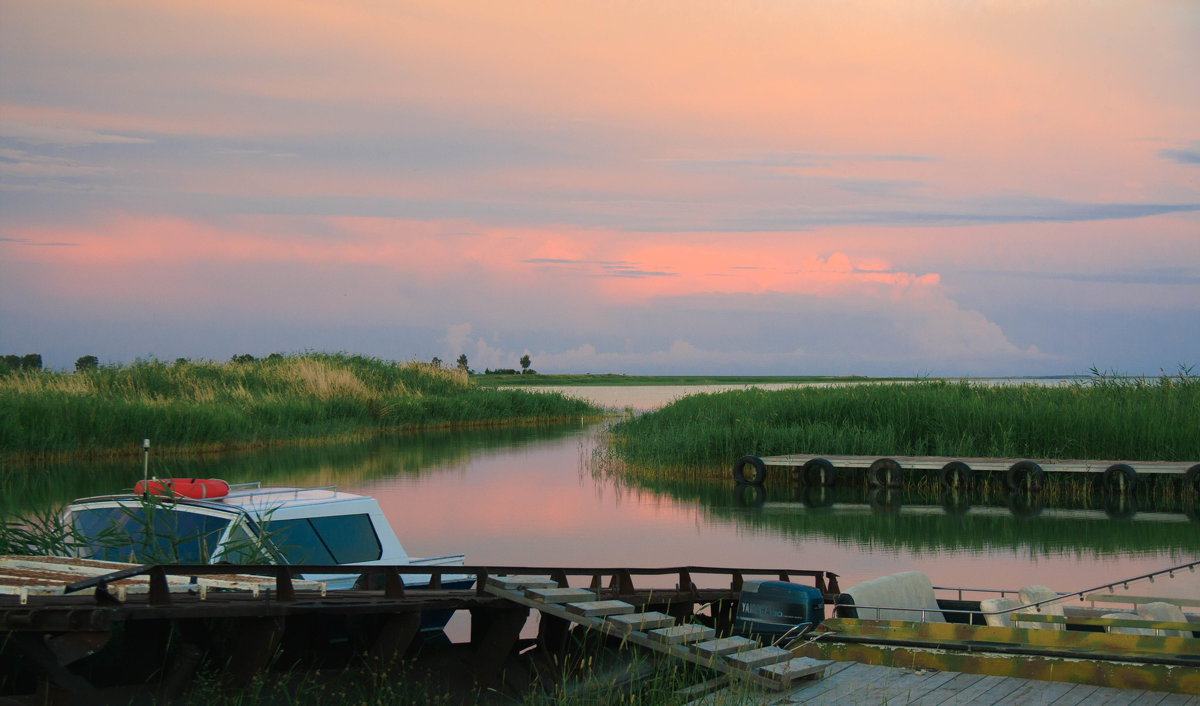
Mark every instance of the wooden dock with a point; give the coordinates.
(59, 617)
(1117, 476)
(871, 685)
(747, 660)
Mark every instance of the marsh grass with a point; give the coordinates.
(590, 673)
(700, 436)
(186, 407)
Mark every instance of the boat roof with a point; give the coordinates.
(254, 499)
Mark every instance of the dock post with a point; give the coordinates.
(395, 637)
(494, 638)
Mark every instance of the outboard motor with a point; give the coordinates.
(771, 608)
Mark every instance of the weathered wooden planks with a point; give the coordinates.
(740, 658)
(865, 684)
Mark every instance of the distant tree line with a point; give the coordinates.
(525, 369)
(33, 361)
(84, 363)
(29, 361)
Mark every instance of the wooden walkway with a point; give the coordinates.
(745, 659)
(864, 683)
(854, 683)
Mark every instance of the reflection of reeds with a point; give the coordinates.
(988, 518)
(701, 435)
(192, 406)
(23, 488)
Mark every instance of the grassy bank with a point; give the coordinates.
(1101, 418)
(187, 407)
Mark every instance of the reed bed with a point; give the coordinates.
(188, 406)
(1100, 418)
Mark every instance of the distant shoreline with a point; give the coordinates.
(613, 379)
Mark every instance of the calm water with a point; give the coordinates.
(529, 496)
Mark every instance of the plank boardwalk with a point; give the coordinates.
(853, 683)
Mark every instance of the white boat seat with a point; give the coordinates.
(991, 605)
(901, 596)
(1119, 630)
(1033, 594)
(1164, 612)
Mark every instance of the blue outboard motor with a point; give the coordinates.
(771, 608)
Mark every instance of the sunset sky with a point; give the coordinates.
(941, 187)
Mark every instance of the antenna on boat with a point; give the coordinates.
(145, 459)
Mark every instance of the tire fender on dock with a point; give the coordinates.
(885, 473)
(956, 474)
(818, 472)
(1120, 478)
(1191, 479)
(757, 474)
(1025, 472)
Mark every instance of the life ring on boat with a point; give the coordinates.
(196, 488)
(757, 475)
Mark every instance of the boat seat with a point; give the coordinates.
(900, 596)
(1033, 594)
(1164, 612)
(991, 605)
(1118, 630)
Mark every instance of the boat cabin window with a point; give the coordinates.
(338, 539)
(148, 534)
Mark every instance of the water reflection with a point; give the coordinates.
(346, 465)
(952, 521)
(531, 496)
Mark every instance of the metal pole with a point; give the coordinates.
(145, 459)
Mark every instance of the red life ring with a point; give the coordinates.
(198, 488)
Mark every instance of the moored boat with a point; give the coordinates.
(176, 522)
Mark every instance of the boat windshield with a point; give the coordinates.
(148, 533)
(338, 539)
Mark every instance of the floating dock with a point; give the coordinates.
(1117, 476)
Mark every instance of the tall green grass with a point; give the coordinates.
(191, 406)
(1102, 418)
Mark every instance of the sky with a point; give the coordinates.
(792, 187)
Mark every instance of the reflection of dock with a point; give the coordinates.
(1048, 513)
